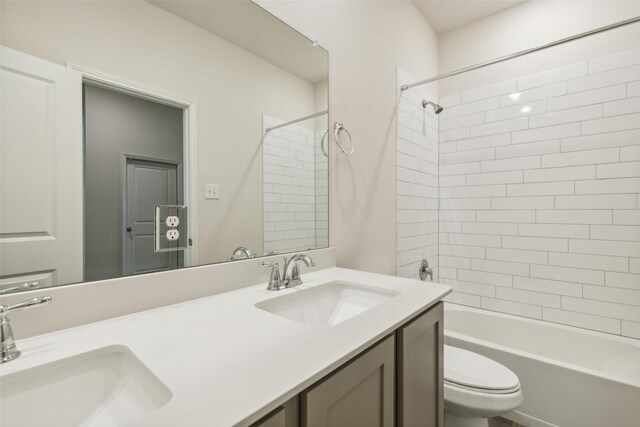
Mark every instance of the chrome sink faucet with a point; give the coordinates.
(291, 276)
(8, 350)
(242, 253)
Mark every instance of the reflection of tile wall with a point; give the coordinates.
(417, 181)
(322, 191)
(289, 188)
(539, 195)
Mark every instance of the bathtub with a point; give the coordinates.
(570, 377)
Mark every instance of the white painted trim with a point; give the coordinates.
(190, 159)
(527, 420)
(190, 127)
(127, 86)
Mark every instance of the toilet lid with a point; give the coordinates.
(474, 370)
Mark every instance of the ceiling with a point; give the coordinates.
(252, 28)
(447, 15)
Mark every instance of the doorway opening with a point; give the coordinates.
(134, 159)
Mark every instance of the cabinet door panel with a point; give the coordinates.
(420, 371)
(361, 394)
(286, 415)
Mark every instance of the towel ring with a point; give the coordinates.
(324, 151)
(338, 127)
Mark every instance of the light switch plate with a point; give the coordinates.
(211, 191)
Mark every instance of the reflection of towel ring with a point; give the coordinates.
(338, 127)
(324, 151)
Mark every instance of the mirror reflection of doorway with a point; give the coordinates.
(133, 161)
(148, 184)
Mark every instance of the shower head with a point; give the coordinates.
(436, 108)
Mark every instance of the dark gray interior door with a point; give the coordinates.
(147, 184)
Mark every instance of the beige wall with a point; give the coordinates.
(366, 41)
(528, 25)
(139, 42)
(322, 103)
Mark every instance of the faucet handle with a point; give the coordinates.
(8, 350)
(425, 271)
(274, 279)
(4, 309)
(268, 264)
(272, 264)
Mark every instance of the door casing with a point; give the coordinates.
(189, 170)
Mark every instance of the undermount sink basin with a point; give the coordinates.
(326, 305)
(106, 387)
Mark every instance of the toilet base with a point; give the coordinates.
(455, 420)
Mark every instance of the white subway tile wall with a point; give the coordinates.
(291, 189)
(539, 195)
(322, 189)
(417, 174)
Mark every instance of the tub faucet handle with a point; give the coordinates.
(425, 270)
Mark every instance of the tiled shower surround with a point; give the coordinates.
(417, 180)
(539, 182)
(289, 171)
(539, 195)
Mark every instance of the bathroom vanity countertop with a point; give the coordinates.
(227, 362)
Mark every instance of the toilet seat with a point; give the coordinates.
(479, 403)
(475, 372)
(476, 386)
(481, 390)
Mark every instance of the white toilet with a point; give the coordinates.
(476, 388)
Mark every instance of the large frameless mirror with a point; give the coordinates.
(148, 136)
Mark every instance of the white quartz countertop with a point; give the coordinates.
(227, 362)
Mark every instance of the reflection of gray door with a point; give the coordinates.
(147, 184)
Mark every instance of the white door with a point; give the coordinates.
(148, 184)
(40, 171)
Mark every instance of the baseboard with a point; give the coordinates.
(527, 420)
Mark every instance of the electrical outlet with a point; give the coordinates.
(172, 221)
(173, 234)
(211, 191)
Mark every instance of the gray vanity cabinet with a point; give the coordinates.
(360, 394)
(397, 382)
(285, 415)
(420, 371)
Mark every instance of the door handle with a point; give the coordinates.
(129, 229)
